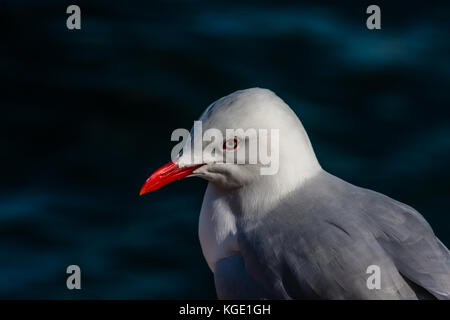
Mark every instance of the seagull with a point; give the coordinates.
(302, 233)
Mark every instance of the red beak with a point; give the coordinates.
(165, 175)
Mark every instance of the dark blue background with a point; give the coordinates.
(87, 115)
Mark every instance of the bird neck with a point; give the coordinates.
(269, 191)
(259, 197)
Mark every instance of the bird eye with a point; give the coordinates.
(230, 144)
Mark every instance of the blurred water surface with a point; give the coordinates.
(87, 115)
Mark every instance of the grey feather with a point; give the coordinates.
(233, 282)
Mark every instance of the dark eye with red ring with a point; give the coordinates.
(230, 144)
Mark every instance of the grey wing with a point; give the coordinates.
(419, 256)
(319, 242)
(319, 259)
(233, 282)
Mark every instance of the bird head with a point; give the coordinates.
(248, 137)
